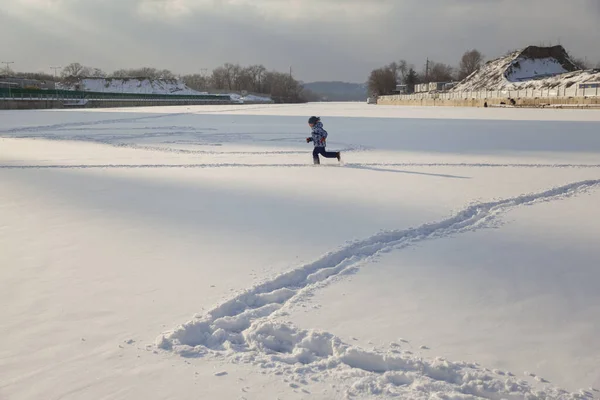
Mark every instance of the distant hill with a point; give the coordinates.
(338, 91)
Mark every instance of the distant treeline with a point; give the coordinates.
(384, 80)
(282, 87)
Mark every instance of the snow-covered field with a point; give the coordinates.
(195, 253)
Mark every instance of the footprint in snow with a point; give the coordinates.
(424, 348)
(222, 373)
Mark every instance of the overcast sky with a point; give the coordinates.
(320, 39)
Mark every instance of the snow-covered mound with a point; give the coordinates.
(131, 85)
(250, 98)
(531, 68)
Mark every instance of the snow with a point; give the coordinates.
(150, 86)
(194, 252)
(519, 71)
(528, 68)
(131, 85)
(250, 98)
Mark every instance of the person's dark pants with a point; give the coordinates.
(321, 151)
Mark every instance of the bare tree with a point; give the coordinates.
(197, 81)
(394, 67)
(97, 73)
(258, 75)
(166, 74)
(283, 88)
(120, 73)
(219, 78)
(581, 63)
(244, 79)
(438, 72)
(144, 72)
(470, 62)
(232, 71)
(402, 71)
(75, 70)
(382, 81)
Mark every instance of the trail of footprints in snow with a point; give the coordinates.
(245, 328)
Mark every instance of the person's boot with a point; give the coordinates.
(339, 156)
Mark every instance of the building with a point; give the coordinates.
(401, 89)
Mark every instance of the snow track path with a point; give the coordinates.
(248, 329)
(291, 165)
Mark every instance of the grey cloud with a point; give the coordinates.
(321, 40)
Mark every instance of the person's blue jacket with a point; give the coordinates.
(319, 135)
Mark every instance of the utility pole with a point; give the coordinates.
(427, 70)
(55, 77)
(7, 64)
(8, 73)
(55, 69)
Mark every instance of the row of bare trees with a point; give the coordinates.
(282, 87)
(254, 78)
(384, 80)
(75, 71)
